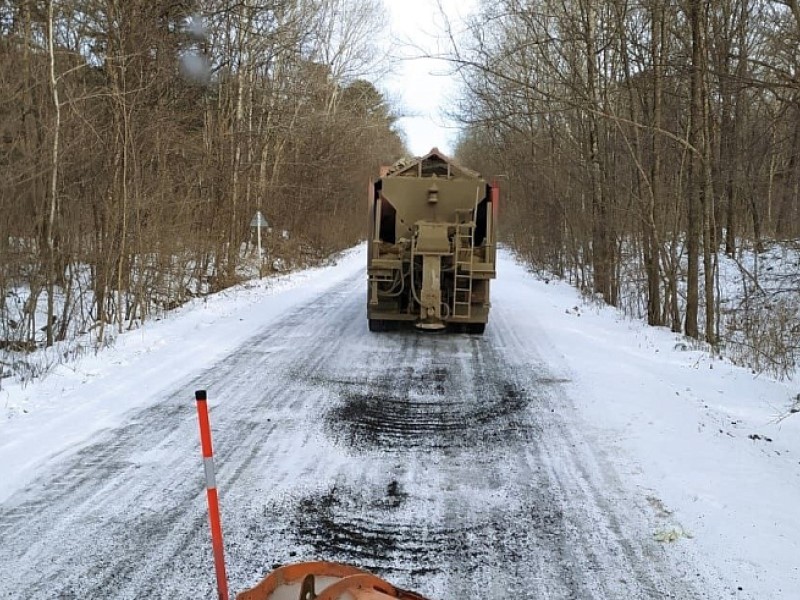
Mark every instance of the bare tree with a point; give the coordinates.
(138, 137)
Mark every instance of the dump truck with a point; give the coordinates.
(431, 246)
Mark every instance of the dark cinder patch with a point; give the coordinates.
(380, 534)
(432, 381)
(375, 531)
(337, 529)
(360, 527)
(427, 415)
(552, 380)
(394, 494)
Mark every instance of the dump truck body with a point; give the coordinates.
(431, 249)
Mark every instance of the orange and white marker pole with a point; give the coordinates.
(211, 490)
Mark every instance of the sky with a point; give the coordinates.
(421, 86)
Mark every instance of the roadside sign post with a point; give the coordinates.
(211, 492)
(259, 222)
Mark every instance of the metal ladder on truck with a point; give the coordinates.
(462, 277)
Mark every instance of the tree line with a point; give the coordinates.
(639, 140)
(139, 137)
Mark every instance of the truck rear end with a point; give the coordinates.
(432, 247)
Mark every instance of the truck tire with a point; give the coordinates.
(475, 328)
(376, 325)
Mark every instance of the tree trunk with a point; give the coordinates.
(51, 216)
(601, 257)
(652, 242)
(695, 190)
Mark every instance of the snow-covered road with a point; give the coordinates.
(459, 466)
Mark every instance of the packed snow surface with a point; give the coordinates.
(567, 453)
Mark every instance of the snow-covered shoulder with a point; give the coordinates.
(712, 446)
(82, 396)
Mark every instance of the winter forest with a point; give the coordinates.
(652, 155)
(649, 153)
(139, 137)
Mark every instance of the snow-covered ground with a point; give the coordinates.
(759, 294)
(711, 448)
(83, 396)
(757, 299)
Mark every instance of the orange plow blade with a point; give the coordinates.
(324, 581)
